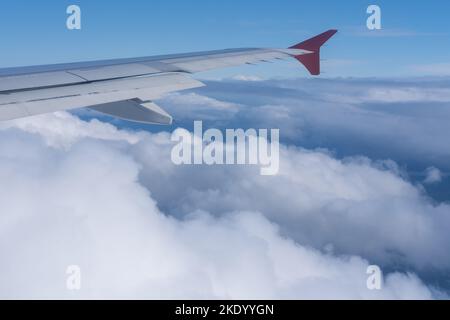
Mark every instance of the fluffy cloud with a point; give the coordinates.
(359, 206)
(111, 202)
(403, 120)
(201, 106)
(433, 175)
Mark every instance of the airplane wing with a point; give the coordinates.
(126, 88)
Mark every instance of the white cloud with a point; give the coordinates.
(388, 94)
(195, 106)
(404, 95)
(432, 175)
(318, 200)
(61, 129)
(433, 69)
(243, 77)
(404, 120)
(196, 100)
(85, 200)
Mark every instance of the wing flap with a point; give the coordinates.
(135, 110)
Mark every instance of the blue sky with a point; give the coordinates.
(415, 39)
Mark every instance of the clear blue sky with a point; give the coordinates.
(414, 33)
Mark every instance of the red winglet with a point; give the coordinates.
(312, 60)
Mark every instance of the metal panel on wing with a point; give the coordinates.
(115, 72)
(38, 80)
(14, 105)
(135, 110)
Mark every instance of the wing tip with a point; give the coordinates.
(311, 61)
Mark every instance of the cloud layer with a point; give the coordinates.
(110, 201)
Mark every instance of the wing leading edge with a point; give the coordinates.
(126, 88)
